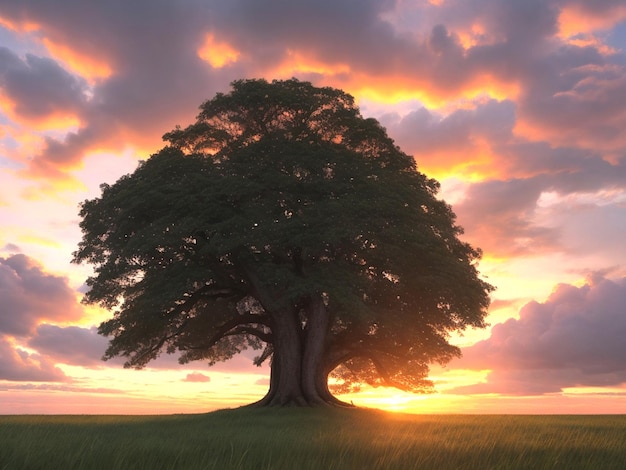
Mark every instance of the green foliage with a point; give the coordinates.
(287, 183)
(299, 438)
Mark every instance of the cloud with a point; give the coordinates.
(70, 345)
(38, 87)
(154, 81)
(499, 216)
(263, 381)
(579, 16)
(457, 49)
(29, 296)
(67, 388)
(457, 142)
(584, 106)
(575, 338)
(196, 377)
(505, 216)
(20, 366)
(501, 212)
(11, 248)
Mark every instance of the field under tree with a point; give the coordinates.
(294, 438)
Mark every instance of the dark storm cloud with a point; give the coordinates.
(29, 295)
(575, 338)
(19, 366)
(38, 86)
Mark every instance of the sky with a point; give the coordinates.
(518, 108)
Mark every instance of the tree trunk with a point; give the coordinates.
(298, 376)
(314, 346)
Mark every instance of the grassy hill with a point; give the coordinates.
(293, 438)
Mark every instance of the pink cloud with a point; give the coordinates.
(70, 345)
(196, 377)
(21, 366)
(499, 217)
(566, 92)
(30, 295)
(575, 338)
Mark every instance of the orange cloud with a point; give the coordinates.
(586, 133)
(51, 181)
(91, 68)
(587, 40)
(28, 143)
(574, 20)
(298, 62)
(217, 53)
(60, 121)
(397, 88)
(22, 27)
(476, 35)
(474, 164)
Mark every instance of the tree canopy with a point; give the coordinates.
(284, 221)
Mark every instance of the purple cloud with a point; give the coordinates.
(39, 87)
(155, 83)
(575, 338)
(29, 295)
(20, 366)
(70, 345)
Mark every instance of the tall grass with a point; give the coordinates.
(312, 439)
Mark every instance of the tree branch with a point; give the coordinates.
(266, 337)
(241, 320)
(207, 291)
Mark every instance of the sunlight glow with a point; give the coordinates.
(442, 401)
(298, 62)
(473, 37)
(393, 90)
(477, 168)
(217, 53)
(91, 68)
(26, 145)
(57, 121)
(38, 240)
(22, 27)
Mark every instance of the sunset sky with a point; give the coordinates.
(518, 108)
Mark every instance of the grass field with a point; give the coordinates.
(312, 439)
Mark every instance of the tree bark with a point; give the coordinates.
(298, 374)
(314, 346)
(285, 383)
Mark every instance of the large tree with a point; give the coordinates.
(284, 221)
